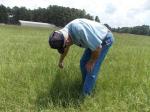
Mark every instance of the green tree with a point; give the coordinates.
(39, 15)
(108, 26)
(97, 19)
(3, 14)
(60, 16)
(57, 15)
(88, 16)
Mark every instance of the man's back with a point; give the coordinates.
(87, 33)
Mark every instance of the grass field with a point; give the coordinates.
(30, 80)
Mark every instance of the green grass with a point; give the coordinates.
(30, 80)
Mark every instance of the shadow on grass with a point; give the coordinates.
(63, 92)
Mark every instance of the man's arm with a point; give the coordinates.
(94, 57)
(62, 56)
(95, 54)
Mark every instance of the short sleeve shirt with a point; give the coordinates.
(86, 33)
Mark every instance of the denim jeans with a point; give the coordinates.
(89, 79)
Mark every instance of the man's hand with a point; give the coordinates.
(89, 66)
(62, 56)
(61, 65)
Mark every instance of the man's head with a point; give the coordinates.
(58, 40)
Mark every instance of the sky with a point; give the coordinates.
(116, 13)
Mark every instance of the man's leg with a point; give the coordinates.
(85, 58)
(92, 76)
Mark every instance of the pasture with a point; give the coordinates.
(30, 80)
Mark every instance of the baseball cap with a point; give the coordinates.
(56, 41)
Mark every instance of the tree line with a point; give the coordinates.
(56, 15)
(140, 30)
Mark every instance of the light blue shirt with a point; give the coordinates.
(86, 33)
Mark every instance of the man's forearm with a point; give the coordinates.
(95, 54)
(62, 56)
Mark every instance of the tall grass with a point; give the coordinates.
(31, 81)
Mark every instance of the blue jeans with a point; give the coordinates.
(89, 79)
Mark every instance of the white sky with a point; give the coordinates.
(116, 13)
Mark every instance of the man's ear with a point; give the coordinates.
(67, 42)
